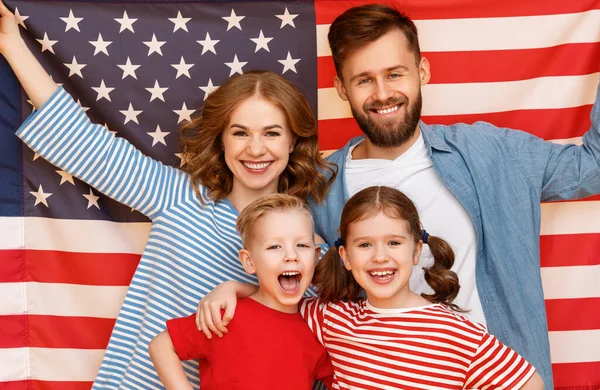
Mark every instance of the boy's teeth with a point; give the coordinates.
(387, 110)
(291, 273)
(257, 165)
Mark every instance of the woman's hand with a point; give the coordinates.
(223, 297)
(9, 29)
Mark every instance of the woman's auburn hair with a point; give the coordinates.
(202, 138)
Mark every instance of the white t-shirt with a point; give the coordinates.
(441, 215)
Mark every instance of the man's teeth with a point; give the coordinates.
(262, 165)
(382, 273)
(388, 110)
(291, 273)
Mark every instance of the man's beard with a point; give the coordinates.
(390, 134)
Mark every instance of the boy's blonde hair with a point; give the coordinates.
(263, 206)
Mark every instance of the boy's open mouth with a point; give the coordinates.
(290, 281)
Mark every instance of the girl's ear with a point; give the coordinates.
(344, 256)
(417, 253)
(247, 261)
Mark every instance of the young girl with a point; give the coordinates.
(255, 135)
(395, 338)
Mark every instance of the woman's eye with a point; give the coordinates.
(273, 134)
(239, 133)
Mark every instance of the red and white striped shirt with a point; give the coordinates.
(428, 347)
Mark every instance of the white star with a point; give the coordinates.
(182, 68)
(20, 18)
(126, 23)
(47, 44)
(130, 114)
(65, 177)
(82, 106)
(261, 42)
(157, 91)
(287, 19)
(289, 63)
(154, 45)
(41, 196)
(183, 159)
(158, 136)
(208, 44)
(71, 21)
(208, 89)
(35, 156)
(180, 22)
(92, 199)
(75, 68)
(233, 20)
(184, 113)
(102, 91)
(100, 45)
(109, 130)
(129, 69)
(235, 66)
(32, 106)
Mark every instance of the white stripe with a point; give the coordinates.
(12, 299)
(13, 364)
(578, 346)
(570, 218)
(65, 364)
(510, 33)
(571, 282)
(74, 300)
(481, 98)
(12, 232)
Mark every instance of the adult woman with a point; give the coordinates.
(255, 135)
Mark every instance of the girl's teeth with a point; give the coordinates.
(387, 110)
(381, 273)
(257, 165)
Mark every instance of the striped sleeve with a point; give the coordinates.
(62, 133)
(495, 366)
(312, 311)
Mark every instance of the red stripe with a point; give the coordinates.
(496, 65)
(548, 124)
(14, 331)
(327, 10)
(570, 249)
(97, 269)
(573, 314)
(44, 385)
(576, 376)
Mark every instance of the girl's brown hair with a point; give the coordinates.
(335, 283)
(202, 138)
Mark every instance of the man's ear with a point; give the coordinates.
(339, 87)
(424, 71)
(247, 261)
(344, 256)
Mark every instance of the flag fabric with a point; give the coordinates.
(67, 253)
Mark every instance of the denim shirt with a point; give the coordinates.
(499, 176)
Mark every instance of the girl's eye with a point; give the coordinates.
(364, 245)
(395, 243)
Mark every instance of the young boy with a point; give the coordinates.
(268, 345)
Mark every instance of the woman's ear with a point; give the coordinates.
(247, 261)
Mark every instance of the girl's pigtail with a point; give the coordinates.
(442, 280)
(333, 281)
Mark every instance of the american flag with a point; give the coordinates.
(67, 253)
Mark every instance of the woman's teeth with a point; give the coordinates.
(262, 165)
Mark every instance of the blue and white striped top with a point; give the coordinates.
(191, 248)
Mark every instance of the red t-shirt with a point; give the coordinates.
(263, 349)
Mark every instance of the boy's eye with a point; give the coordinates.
(302, 245)
(271, 247)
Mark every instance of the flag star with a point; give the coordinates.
(21, 18)
(184, 113)
(92, 199)
(102, 91)
(35, 156)
(109, 130)
(180, 22)
(100, 45)
(82, 106)
(233, 20)
(182, 157)
(157, 91)
(182, 68)
(47, 44)
(235, 66)
(75, 68)
(129, 69)
(71, 21)
(41, 196)
(65, 177)
(32, 106)
(287, 19)
(130, 114)
(208, 44)
(261, 42)
(126, 22)
(289, 63)
(154, 45)
(209, 88)
(158, 136)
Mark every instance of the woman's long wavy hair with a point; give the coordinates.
(305, 174)
(335, 283)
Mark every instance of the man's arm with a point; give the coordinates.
(167, 363)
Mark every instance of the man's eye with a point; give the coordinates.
(364, 81)
(394, 75)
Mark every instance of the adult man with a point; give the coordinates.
(479, 187)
